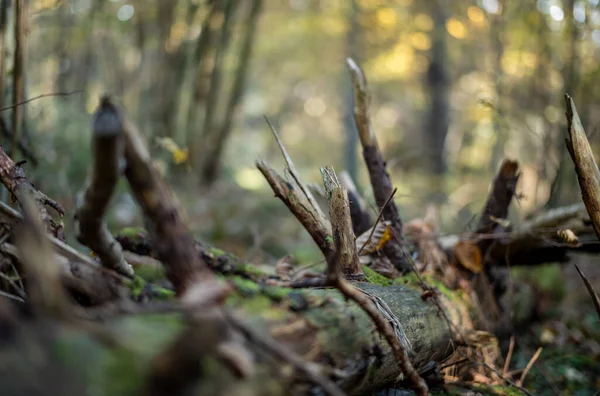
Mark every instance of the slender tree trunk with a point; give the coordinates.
(565, 176)
(211, 167)
(353, 51)
(3, 48)
(18, 71)
(497, 30)
(438, 83)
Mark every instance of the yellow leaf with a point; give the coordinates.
(468, 255)
(180, 156)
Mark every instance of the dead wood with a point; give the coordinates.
(45, 292)
(361, 221)
(14, 179)
(582, 155)
(346, 261)
(301, 207)
(92, 203)
(163, 219)
(498, 202)
(80, 274)
(376, 166)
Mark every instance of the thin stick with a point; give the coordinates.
(511, 346)
(286, 355)
(379, 216)
(15, 287)
(590, 289)
(294, 172)
(529, 365)
(40, 97)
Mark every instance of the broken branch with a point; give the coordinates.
(378, 175)
(92, 204)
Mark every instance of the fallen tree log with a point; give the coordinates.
(316, 324)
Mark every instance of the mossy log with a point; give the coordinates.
(316, 324)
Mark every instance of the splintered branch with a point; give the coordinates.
(498, 202)
(361, 221)
(582, 155)
(341, 227)
(298, 204)
(343, 258)
(175, 247)
(14, 179)
(296, 176)
(92, 204)
(376, 166)
(44, 287)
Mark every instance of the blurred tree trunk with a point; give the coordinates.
(564, 180)
(4, 11)
(203, 63)
(438, 84)
(216, 137)
(171, 62)
(497, 32)
(352, 48)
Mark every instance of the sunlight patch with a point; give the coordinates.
(249, 178)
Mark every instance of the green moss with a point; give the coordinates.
(277, 293)
(150, 273)
(137, 286)
(132, 232)
(245, 286)
(251, 271)
(216, 251)
(375, 278)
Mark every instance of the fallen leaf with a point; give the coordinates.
(468, 255)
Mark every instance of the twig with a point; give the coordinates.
(307, 368)
(460, 361)
(511, 346)
(319, 230)
(590, 289)
(15, 287)
(377, 220)
(46, 95)
(11, 296)
(535, 357)
(295, 175)
(342, 233)
(92, 203)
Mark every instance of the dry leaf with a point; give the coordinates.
(381, 236)
(569, 236)
(468, 255)
(284, 267)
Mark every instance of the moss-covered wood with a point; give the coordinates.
(317, 324)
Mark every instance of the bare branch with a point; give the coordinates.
(92, 203)
(582, 155)
(378, 175)
(591, 290)
(46, 95)
(320, 231)
(14, 179)
(164, 222)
